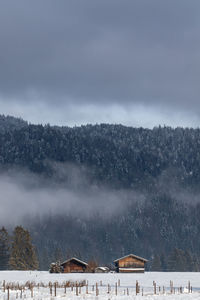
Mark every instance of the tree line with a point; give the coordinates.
(177, 261)
(155, 226)
(18, 253)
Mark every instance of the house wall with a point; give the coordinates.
(131, 271)
(73, 267)
(130, 262)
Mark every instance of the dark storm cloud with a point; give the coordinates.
(124, 53)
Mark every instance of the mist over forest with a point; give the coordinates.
(101, 191)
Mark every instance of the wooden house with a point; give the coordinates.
(74, 265)
(130, 264)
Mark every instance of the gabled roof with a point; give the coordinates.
(76, 259)
(132, 255)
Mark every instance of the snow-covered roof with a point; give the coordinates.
(103, 268)
(132, 255)
(76, 259)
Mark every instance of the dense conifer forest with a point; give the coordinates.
(161, 165)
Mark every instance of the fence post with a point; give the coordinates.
(137, 289)
(171, 286)
(4, 286)
(97, 289)
(87, 288)
(188, 286)
(50, 287)
(55, 289)
(154, 287)
(8, 292)
(65, 287)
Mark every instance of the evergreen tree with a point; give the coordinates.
(196, 264)
(190, 263)
(44, 260)
(156, 264)
(23, 255)
(58, 255)
(177, 261)
(163, 262)
(4, 249)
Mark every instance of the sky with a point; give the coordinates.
(134, 62)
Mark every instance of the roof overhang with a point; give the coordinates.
(76, 259)
(131, 255)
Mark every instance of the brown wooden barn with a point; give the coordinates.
(74, 265)
(130, 264)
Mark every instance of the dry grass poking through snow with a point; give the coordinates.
(151, 285)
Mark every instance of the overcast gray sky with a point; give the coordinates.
(135, 62)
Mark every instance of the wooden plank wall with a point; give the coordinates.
(130, 262)
(71, 267)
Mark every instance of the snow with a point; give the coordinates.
(127, 281)
(132, 269)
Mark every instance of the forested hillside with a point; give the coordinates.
(116, 155)
(162, 164)
(8, 123)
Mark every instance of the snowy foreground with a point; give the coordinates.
(120, 286)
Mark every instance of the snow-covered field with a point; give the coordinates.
(125, 284)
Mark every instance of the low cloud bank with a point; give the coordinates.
(69, 192)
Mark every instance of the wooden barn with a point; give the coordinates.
(74, 265)
(130, 264)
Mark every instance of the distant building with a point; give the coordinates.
(74, 265)
(102, 270)
(130, 264)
